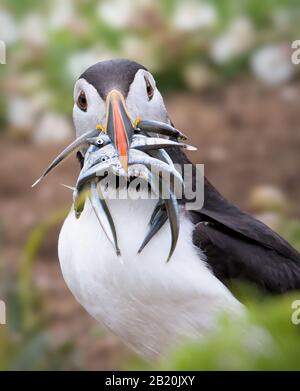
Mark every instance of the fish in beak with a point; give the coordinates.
(119, 126)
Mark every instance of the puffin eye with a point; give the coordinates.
(149, 88)
(82, 101)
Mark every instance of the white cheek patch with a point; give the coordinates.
(96, 111)
(138, 103)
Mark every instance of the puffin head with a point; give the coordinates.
(113, 96)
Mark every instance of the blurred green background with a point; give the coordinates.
(224, 67)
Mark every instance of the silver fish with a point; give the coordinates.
(161, 187)
(103, 215)
(157, 221)
(159, 167)
(160, 128)
(74, 146)
(144, 143)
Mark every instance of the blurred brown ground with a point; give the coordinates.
(246, 136)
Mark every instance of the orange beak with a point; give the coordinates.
(119, 126)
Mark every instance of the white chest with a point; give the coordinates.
(147, 302)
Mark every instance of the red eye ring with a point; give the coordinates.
(82, 101)
(149, 88)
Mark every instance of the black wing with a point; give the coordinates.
(232, 256)
(239, 246)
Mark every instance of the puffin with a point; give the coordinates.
(151, 283)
